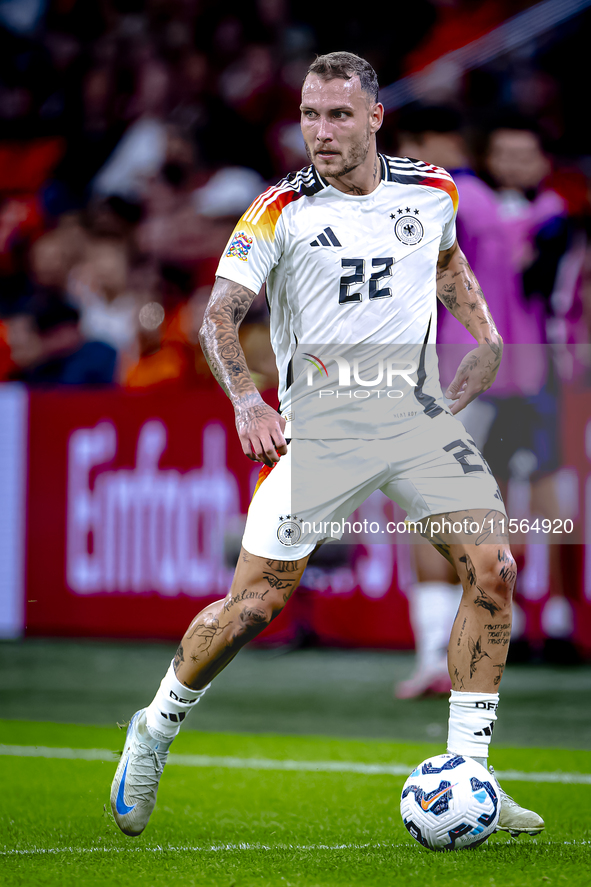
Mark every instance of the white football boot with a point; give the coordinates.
(515, 819)
(134, 788)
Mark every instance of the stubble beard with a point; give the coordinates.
(358, 151)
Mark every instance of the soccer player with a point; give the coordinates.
(354, 250)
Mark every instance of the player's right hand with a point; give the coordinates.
(260, 429)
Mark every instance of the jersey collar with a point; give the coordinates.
(383, 178)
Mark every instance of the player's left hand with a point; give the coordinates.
(475, 374)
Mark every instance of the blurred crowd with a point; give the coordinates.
(134, 133)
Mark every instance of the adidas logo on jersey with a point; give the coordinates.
(327, 238)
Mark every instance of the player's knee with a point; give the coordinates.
(499, 572)
(506, 569)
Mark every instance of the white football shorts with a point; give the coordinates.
(431, 467)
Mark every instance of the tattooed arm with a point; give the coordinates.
(259, 426)
(461, 294)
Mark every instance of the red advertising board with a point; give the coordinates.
(131, 499)
(136, 504)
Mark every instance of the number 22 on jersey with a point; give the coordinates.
(382, 269)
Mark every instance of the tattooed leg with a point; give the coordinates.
(259, 591)
(480, 636)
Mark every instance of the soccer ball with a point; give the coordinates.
(449, 802)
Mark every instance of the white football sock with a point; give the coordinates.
(170, 706)
(433, 608)
(472, 718)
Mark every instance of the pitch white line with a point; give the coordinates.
(224, 848)
(213, 848)
(102, 754)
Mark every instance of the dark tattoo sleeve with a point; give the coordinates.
(219, 340)
(460, 292)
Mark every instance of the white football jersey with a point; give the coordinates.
(344, 270)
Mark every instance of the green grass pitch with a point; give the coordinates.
(219, 825)
(227, 826)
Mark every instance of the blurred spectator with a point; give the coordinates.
(228, 193)
(142, 149)
(517, 166)
(549, 249)
(55, 253)
(47, 347)
(98, 286)
(490, 242)
(548, 246)
(190, 226)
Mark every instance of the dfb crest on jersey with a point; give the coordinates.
(409, 230)
(289, 530)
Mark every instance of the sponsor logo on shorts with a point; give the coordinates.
(289, 531)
